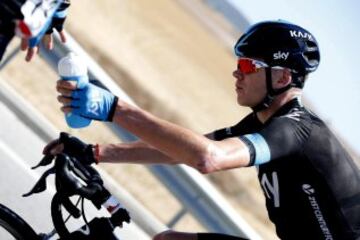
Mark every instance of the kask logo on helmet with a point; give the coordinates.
(300, 34)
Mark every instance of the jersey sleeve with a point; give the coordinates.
(282, 137)
(245, 126)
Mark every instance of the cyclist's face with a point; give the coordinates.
(250, 87)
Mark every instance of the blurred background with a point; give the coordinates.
(175, 59)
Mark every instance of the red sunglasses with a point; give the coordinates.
(248, 65)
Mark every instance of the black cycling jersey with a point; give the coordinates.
(311, 184)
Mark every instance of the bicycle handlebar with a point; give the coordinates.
(69, 171)
(74, 178)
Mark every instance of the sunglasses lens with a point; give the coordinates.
(246, 66)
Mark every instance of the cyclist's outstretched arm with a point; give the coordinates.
(175, 141)
(135, 152)
(178, 142)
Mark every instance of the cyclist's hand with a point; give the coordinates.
(71, 146)
(53, 148)
(47, 40)
(90, 102)
(57, 22)
(30, 51)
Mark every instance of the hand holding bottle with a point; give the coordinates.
(73, 68)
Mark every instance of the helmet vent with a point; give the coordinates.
(311, 44)
(312, 57)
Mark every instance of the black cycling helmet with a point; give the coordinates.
(280, 43)
(283, 44)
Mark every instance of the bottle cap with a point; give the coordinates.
(72, 65)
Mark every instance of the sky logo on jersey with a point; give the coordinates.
(310, 191)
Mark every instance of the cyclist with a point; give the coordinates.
(311, 184)
(31, 20)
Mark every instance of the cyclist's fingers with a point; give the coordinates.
(30, 53)
(48, 41)
(65, 88)
(69, 85)
(66, 101)
(47, 149)
(62, 36)
(57, 149)
(65, 92)
(66, 109)
(54, 148)
(24, 44)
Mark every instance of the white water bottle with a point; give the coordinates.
(73, 68)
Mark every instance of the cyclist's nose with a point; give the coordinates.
(238, 75)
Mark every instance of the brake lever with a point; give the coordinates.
(46, 160)
(40, 185)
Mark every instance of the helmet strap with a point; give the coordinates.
(298, 80)
(271, 92)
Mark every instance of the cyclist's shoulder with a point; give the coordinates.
(249, 122)
(246, 125)
(293, 116)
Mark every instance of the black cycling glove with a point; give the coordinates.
(76, 148)
(59, 17)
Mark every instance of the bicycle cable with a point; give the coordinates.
(83, 212)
